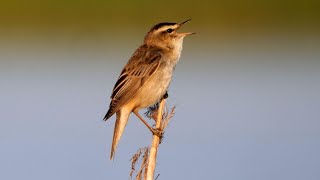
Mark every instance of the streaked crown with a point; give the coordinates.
(165, 33)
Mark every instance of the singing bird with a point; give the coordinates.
(145, 78)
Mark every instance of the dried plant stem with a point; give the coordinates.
(162, 118)
(155, 144)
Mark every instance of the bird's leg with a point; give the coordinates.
(154, 131)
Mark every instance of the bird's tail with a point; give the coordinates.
(121, 122)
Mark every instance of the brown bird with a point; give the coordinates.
(145, 78)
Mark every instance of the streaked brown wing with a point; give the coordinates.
(144, 63)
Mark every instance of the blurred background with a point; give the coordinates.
(246, 89)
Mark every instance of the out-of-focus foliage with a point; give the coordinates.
(109, 13)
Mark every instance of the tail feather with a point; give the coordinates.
(121, 122)
(108, 115)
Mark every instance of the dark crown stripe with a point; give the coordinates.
(157, 26)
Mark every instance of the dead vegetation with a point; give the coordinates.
(147, 155)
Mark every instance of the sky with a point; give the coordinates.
(246, 89)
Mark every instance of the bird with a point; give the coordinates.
(145, 78)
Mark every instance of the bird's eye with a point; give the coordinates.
(169, 30)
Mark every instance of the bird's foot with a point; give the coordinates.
(155, 131)
(158, 132)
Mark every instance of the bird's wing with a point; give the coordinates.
(143, 64)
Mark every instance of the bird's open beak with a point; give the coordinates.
(184, 22)
(185, 34)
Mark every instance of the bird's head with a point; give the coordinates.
(166, 35)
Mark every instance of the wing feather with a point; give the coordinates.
(143, 64)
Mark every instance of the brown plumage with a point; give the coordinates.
(146, 77)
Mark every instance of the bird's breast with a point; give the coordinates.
(154, 89)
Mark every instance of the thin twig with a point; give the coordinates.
(134, 161)
(168, 118)
(143, 164)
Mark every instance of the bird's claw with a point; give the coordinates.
(157, 132)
